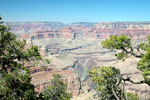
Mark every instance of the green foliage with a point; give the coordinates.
(106, 77)
(132, 96)
(15, 78)
(123, 43)
(48, 61)
(122, 56)
(108, 82)
(144, 66)
(117, 42)
(57, 90)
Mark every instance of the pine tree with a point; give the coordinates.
(14, 76)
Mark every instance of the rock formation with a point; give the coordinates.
(42, 78)
(75, 48)
(40, 30)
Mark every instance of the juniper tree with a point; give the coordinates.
(57, 90)
(110, 82)
(14, 77)
(123, 43)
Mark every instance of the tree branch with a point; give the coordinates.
(113, 91)
(129, 80)
(131, 52)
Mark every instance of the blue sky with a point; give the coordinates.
(68, 11)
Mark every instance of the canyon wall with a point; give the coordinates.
(75, 48)
(40, 30)
(42, 78)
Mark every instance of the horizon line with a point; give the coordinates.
(72, 22)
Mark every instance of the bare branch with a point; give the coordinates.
(113, 91)
(131, 52)
(129, 80)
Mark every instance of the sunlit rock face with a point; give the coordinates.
(75, 48)
(42, 78)
(40, 30)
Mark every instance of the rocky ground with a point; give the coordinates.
(75, 48)
(73, 58)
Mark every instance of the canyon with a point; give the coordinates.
(39, 30)
(73, 49)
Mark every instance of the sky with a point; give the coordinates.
(68, 11)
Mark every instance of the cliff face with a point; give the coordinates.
(123, 25)
(30, 27)
(40, 30)
(42, 79)
(73, 49)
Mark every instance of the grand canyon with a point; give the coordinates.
(73, 49)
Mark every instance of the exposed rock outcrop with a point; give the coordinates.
(80, 30)
(41, 79)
